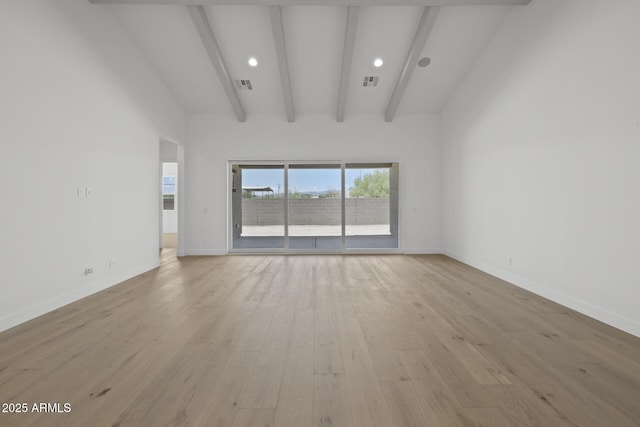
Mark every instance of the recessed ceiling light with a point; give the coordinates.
(253, 62)
(424, 62)
(378, 62)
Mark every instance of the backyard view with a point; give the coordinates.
(371, 183)
(314, 209)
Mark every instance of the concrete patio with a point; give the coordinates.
(316, 237)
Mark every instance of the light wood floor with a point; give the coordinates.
(169, 240)
(323, 341)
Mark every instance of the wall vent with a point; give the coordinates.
(244, 85)
(370, 81)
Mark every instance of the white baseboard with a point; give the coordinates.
(621, 322)
(218, 252)
(421, 251)
(14, 319)
(205, 252)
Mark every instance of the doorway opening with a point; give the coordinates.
(169, 205)
(333, 207)
(171, 198)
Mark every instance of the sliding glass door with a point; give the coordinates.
(258, 206)
(313, 207)
(371, 205)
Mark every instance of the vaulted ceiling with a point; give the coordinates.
(312, 58)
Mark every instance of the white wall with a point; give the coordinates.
(168, 152)
(413, 140)
(541, 157)
(77, 103)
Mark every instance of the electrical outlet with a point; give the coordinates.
(88, 270)
(112, 264)
(88, 192)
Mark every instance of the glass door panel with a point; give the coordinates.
(371, 205)
(315, 207)
(258, 206)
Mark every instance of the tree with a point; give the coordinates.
(372, 185)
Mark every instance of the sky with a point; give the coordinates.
(301, 180)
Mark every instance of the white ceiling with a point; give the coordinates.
(167, 37)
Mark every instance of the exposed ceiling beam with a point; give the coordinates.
(347, 58)
(200, 20)
(415, 51)
(324, 2)
(283, 65)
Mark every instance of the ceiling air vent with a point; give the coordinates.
(244, 85)
(370, 81)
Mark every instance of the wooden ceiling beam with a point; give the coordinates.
(275, 12)
(425, 26)
(202, 24)
(347, 59)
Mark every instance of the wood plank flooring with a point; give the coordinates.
(353, 340)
